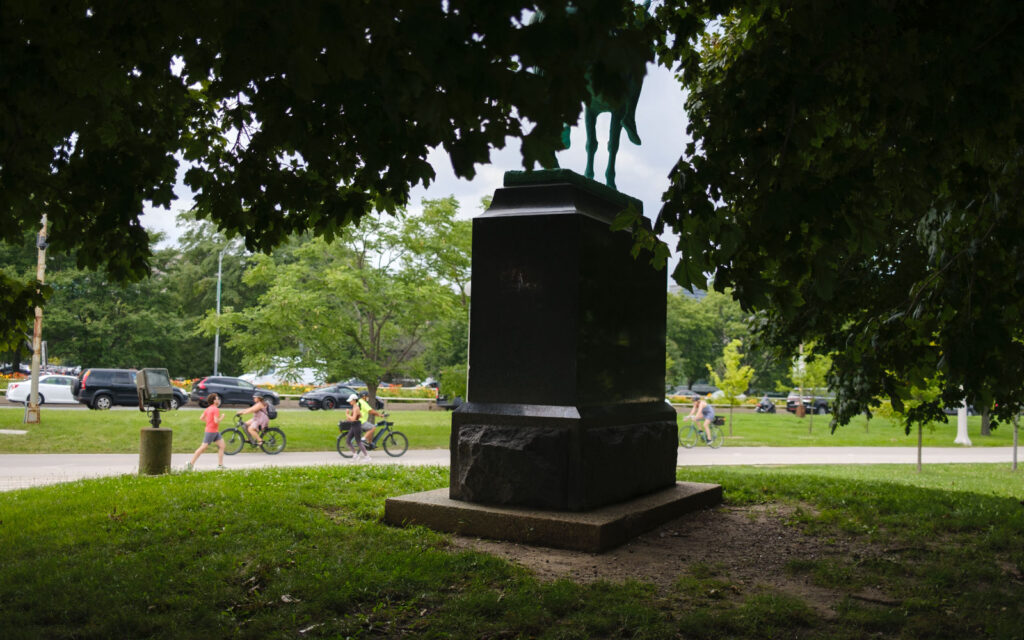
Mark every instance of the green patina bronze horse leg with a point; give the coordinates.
(614, 132)
(590, 121)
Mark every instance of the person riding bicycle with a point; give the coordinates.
(704, 411)
(366, 411)
(355, 429)
(259, 421)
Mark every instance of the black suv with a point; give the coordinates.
(814, 400)
(231, 391)
(104, 388)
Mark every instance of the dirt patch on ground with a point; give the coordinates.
(748, 546)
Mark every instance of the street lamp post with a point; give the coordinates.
(216, 338)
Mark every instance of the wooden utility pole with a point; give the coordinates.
(32, 409)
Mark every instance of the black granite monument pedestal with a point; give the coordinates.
(566, 410)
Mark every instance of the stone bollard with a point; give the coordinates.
(154, 451)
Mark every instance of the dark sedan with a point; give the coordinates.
(231, 391)
(329, 397)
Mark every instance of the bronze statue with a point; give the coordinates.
(622, 108)
(623, 116)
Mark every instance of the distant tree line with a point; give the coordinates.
(697, 332)
(92, 320)
(387, 299)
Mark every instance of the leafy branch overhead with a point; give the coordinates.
(287, 118)
(284, 119)
(855, 173)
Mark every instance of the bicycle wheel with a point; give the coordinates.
(273, 441)
(233, 441)
(717, 437)
(688, 437)
(343, 448)
(395, 443)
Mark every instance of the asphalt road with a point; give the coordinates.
(20, 471)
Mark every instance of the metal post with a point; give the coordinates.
(32, 410)
(216, 338)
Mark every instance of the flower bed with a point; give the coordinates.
(395, 391)
(8, 378)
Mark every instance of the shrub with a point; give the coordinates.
(453, 381)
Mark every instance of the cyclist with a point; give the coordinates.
(366, 411)
(703, 411)
(259, 421)
(355, 429)
(211, 418)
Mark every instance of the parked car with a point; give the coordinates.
(52, 389)
(231, 391)
(704, 389)
(8, 368)
(105, 388)
(718, 395)
(814, 400)
(330, 397)
(682, 392)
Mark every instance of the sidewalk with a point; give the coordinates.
(20, 471)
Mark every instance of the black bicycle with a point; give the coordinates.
(393, 442)
(237, 437)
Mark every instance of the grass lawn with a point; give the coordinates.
(78, 431)
(301, 552)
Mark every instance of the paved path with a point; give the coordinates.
(19, 471)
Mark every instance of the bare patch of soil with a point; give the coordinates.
(749, 546)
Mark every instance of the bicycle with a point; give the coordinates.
(236, 437)
(689, 436)
(394, 442)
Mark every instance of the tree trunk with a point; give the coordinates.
(867, 420)
(1016, 429)
(919, 446)
(986, 422)
(730, 419)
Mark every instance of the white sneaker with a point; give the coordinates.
(364, 456)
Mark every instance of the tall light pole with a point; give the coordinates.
(32, 409)
(216, 338)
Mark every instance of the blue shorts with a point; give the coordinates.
(210, 436)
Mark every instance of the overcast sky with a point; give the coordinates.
(641, 171)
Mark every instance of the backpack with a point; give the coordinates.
(271, 410)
